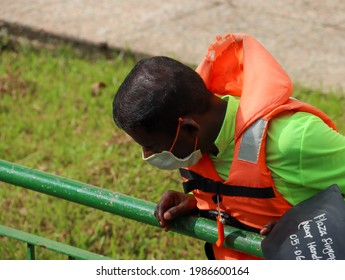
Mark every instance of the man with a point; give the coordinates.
(245, 161)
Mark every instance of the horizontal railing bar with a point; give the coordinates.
(34, 240)
(125, 206)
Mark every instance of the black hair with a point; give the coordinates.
(156, 93)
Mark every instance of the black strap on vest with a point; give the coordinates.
(197, 182)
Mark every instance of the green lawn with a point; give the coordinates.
(56, 116)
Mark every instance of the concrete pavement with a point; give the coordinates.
(307, 37)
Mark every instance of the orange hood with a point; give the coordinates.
(239, 65)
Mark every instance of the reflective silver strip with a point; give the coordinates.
(251, 141)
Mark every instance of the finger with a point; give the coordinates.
(267, 228)
(165, 203)
(159, 214)
(167, 215)
(264, 231)
(175, 212)
(166, 227)
(160, 218)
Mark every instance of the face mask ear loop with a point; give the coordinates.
(196, 143)
(180, 120)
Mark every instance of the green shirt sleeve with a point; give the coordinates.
(304, 155)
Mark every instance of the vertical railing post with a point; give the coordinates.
(31, 251)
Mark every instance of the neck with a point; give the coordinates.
(212, 122)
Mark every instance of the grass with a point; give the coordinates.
(56, 116)
(51, 119)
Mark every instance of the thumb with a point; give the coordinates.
(167, 215)
(173, 212)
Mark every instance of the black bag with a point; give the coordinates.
(311, 230)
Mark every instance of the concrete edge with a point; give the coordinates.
(17, 34)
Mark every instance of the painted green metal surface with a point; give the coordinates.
(125, 206)
(31, 249)
(34, 240)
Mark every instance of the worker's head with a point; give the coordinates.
(159, 97)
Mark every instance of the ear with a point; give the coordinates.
(190, 126)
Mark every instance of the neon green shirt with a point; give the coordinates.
(302, 152)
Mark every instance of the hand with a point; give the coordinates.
(267, 228)
(172, 205)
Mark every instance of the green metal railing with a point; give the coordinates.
(119, 204)
(34, 241)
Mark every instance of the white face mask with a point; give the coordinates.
(168, 161)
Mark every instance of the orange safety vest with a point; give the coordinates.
(238, 65)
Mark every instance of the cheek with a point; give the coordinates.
(183, 147)
(151, 142)
(159, 146)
